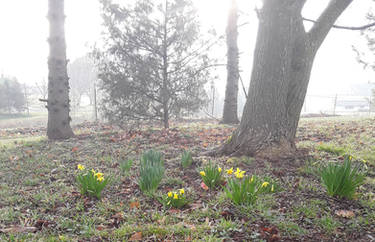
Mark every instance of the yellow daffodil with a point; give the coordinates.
(182, 191)
(202, 173)
(219, 169)
(99, 174)
(170, 194)
(100, 178)
(93, 171)
(230, 171)
(350, 157)
(240, 174)
(238, 171)
(81, 167)
(265, 184)
(175, 196)
(252, 179)
(272, 189)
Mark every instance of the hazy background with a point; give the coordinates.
(24, 48)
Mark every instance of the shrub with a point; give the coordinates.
(186, 159)
(244, 190)
(151, 171)
(211, 175)
(342, 180)
(176, 199)
(125, 166)
(90, 182)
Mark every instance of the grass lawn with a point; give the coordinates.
(40, 200)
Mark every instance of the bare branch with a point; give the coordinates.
(345, 27)
(323, 25)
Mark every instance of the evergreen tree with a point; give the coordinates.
(154, 64)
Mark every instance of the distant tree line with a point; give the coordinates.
(12, 98)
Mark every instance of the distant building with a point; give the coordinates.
(353, 105)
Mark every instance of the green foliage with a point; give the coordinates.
(126, 165)
(245, 190)
(176, 199)
(186, 159)
(211, 175)
(91, 183)
(342, 179)
(151, 171)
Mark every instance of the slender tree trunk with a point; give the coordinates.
(283, 60)
(165, 91)
(58, 81)
(231, 91)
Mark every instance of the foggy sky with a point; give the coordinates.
(24, 33)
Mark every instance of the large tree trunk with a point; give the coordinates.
(231, 91)
(58, 81)
(283, 60)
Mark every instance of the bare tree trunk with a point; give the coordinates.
(283, 60)
(165, 92)
(58, 81)
(231, 91)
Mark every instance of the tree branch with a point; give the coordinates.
(345, 27)
(323, 25)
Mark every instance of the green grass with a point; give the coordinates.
(37, 183)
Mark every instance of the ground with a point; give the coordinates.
(39, 199)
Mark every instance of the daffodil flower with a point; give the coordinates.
(81, 167)
(182, 191)
(230, 171)
(240, 174)
(219, 169)
(202, 173)
(252, 179)
(265, 184)
(170, 194)
(175, 196)
(100, 178)
(98, 174)
(272, 189)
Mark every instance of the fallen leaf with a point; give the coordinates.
(134, 204)
(136, 236)
(204, 186)
(345, 213)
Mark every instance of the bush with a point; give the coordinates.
(176, 199)
(151, 171)
(244, 190)
(90, 182)
(342, 180)
(211, 175)
(125, 166)
(186, 159)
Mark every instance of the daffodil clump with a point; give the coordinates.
(244, 190)
(211, 175)
(176, 199)
(90, 182)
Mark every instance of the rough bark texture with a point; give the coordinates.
(58, 81)
(231, 92)
(283, 60)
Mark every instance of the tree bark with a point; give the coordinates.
(231, 91)
(283, 60)
(58, 81)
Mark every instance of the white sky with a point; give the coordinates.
(24, 32)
